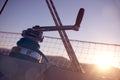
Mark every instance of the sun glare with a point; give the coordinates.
(104, 61)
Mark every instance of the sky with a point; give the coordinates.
(101, 21)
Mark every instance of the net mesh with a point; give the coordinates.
(86, 52)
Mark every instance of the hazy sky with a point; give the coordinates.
(101, 22)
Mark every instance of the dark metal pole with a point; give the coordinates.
(3, 7)
(55, 28)
(75, 64)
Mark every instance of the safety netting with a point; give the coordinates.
(53, 48)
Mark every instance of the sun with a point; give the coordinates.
(104, 61)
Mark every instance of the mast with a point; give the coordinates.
(75, 64)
